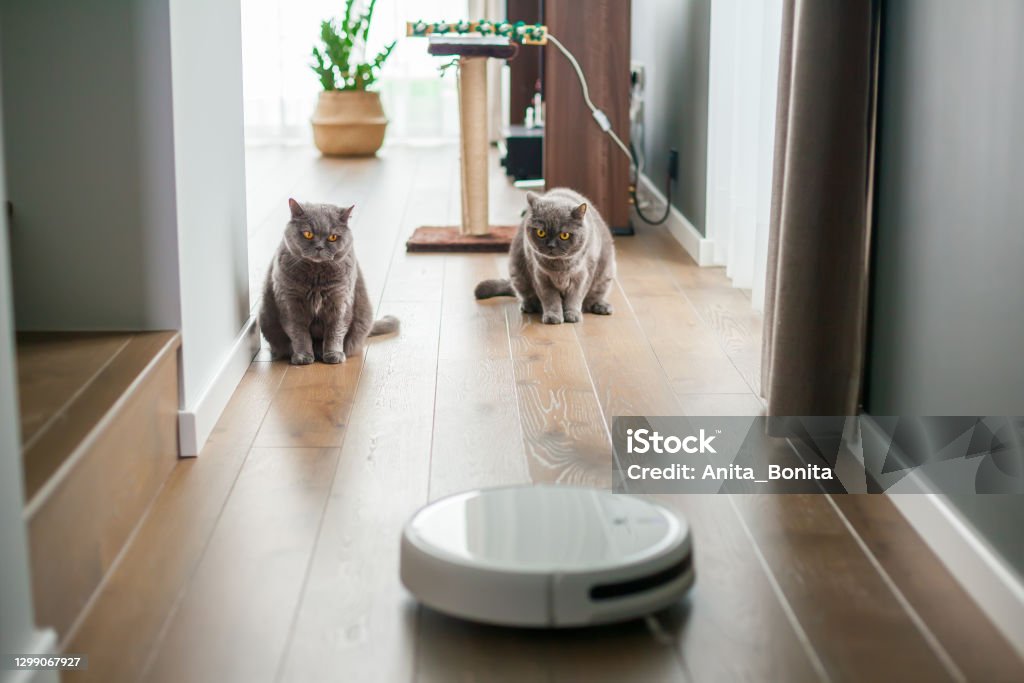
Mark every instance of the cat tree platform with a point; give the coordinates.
(491, 41)
(451, 239)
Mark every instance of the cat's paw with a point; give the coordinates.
(334, 357)
(302, 359)
(529, 307)
(551, 319)
(572, 316)
(601, 308)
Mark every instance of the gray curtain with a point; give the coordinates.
(816, 287)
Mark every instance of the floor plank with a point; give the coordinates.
(610, 346)
(419, 277)
(312, 406)
(686, 346)
(671, 258)
(354, 613)
(381, 221)
(722, 309)
(734, 608)
(736, 626)
(232, 623)
(562, 422)
(737, 327)
(853, 621)
(352, 594)
(455, 650)
(638, 649)
(129, 610)
(721, 404)
(965, 633)
(477, 441)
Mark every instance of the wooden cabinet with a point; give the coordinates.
(577, 153)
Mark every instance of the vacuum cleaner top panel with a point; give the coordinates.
(545, 529)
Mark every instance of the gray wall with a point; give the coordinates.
(948, 296)
(87, 109)
(671, 38)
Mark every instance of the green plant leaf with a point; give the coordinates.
(323, 71)
(368, 17)
(336, 66)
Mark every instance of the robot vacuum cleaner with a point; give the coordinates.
(546, 556)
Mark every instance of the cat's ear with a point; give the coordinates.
(296, 208)
(532, 198)
(345, 212)
(580, 211)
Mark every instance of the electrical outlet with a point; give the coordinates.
(636, 76)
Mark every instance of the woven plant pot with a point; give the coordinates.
(349, 123)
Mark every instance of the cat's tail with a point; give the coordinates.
(489, 288)
(385, 325)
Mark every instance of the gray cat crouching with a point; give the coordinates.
(562, 259)
(314, 298)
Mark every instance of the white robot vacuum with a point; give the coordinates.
(546, 556)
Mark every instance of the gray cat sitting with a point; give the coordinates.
(562, 260)
(314, 299)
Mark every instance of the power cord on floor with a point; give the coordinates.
(669, 178)
(605, 125)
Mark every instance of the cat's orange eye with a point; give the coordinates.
(563, 236)
(332, 238)
(307, 234)
(542, 233)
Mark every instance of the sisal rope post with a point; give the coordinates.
(473, 141)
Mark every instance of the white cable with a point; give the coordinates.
(599, 116)
(636, 138)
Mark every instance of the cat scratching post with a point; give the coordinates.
(490, 41)
(473, 139)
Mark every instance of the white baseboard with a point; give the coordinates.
(700, 248)
(196, 422)
(979, 569)
(976, 566)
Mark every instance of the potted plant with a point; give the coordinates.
(349, 119)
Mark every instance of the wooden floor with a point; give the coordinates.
(273, 555)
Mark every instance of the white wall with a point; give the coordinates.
(87, 95)
(127, 175)
(17, 621)
(209, 153)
